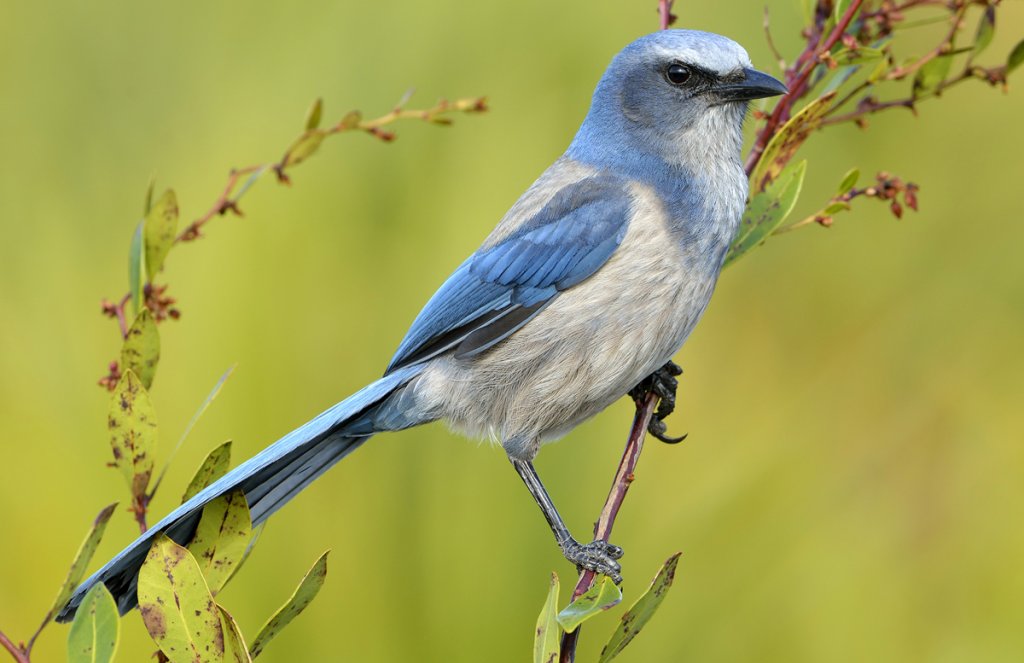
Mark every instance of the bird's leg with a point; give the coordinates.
(662, 382)
(598, 556)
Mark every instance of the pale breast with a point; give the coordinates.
(588, 347)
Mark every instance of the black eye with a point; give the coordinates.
(677, 74)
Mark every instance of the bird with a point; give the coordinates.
(589, 284)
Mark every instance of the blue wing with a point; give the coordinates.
(505, 284)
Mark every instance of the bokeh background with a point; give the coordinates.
(851, 489)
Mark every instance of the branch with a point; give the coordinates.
(16, 652)
(603, 528)
(665, 15)
(797, 78)
(228, 199)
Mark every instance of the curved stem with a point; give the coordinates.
(797, 82)
(603, 527)
(15, 651)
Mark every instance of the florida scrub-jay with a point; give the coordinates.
(590, 283)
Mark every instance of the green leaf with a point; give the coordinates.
(221, 538)
(177, 607)
(148, 205)
(81, 561)
(161, 229)
(601, 596)
(880, 71)
(351, 120)
(140, 351)
(135, 254)
(835, 208)
(841, 7)
(94, 633)
(303, 596)
(133, 432)
(93, 636)
(212, 468)
(304, 147)
(986, 30)
(932, 74)
(767, 210)
(849, 181)
(256, 532)
(642, 611)
(841, 75)
(314, 114)
(1016, 57)
(546, 643)
(235, 650)
(787, 141)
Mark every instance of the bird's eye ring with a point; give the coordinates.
(677, 74)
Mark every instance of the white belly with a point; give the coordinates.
(589, 347)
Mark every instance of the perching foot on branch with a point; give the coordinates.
(663, 383)
(597, 556)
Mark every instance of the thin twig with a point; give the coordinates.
(665, 16)
(781, 61)
(603, 527)
(16, 652)
(944, 48)
(229, 198)
(797, 80)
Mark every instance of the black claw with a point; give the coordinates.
(596, 556)
(663, 383)
(659, 430)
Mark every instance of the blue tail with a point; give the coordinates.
(270, 478)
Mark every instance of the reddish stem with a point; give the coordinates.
(603, 527)
(665, 15)
(122, 322)
(15, 651)
(140, 504)
(220, 206)
(797, 80)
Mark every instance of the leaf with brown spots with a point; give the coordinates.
(177, 607)
(601, 596)
(303, 596)
(221, 538)
(304, 147)
(547, 641)
(141, 349)
(133, 432)
(81, 561)
(256, 532)
(787, 141)
(161, 229)
(767, 211)
(235, 650)
(642, 611)
(94, 633)
(214, 467)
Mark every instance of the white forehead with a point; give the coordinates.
(704, 49)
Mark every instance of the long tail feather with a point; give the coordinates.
(269, 479)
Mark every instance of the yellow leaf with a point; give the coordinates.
(141, 349)
(177, 607)
(133, 432)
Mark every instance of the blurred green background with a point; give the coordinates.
(851, 489)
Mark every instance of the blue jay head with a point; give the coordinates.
(676, 73)
(673, 90)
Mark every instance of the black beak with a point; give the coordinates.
(753, 85)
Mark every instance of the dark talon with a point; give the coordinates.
(596, 556)
(663, 383)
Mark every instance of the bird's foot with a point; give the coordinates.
(596, 556)
(663, 383)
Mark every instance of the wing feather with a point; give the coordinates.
(504, 285)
